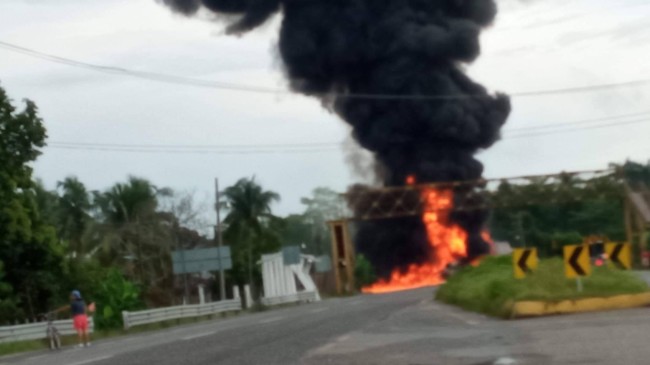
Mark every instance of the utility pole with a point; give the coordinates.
(186, 296)
(219, 237)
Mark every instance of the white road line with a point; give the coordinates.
(342, 338)
(505, 361)
(271, 320)
(34, 358)
(92, 360)
(205, 334)
(463, 319)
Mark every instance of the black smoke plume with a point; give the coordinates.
(347, 51)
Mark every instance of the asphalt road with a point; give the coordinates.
(401, 328)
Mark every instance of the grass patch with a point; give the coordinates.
(491, 287)
(23, 346)
(34, 345)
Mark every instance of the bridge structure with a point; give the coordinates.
(363, 203)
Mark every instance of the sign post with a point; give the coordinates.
(577, 263)
(186, 262)
(200, 260)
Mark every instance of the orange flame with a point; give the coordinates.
(448, 245)
(487, 237)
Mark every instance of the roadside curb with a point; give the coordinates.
(526, 309)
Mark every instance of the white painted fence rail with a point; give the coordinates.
(305, 297)
(132, 319)
(37, 331)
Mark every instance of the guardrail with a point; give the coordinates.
(132, 319)
(307, 296)
(38, 330)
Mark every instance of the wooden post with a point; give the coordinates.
(628, 221)
(637, 250)
(343, 260)
(641, 233)
(351, 260)
(335, 259)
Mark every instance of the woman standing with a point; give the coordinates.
(79, 317)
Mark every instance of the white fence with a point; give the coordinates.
(306, 296)
(132, 319)
(37, 331)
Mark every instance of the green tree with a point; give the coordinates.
(297, 230)
(548, 216)
(134, 235)
(9, 309)
(636, 172)
(114, 295)
(324, 205)
(47, 202)
(252, 229)
(74, 214)
(28, 246)
(129, 202)
(364, 273)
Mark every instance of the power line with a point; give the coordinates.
(579, 122)
(199, 147)
(333, 147)
(566, 17)
(180, 80)
(167, 78)
(181, 151)
(609, 125)
(289, 147)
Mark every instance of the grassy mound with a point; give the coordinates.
(491, 287)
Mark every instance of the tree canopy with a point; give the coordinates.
(29, 249)
(252, 229)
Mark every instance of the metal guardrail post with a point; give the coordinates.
(125, 319)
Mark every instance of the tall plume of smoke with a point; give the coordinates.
(333, 49)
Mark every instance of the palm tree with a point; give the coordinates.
(74, 218)
(250, 225)
(133, 233)
(124, 203)
(249, 205)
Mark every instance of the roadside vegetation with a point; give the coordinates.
(71, 340)
(548, 217)
(114, 244)
(491, 288)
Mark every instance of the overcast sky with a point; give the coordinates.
(534, 45)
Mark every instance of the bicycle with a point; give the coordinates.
(53, 334)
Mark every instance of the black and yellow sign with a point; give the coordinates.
(619, 255)
(524, 261)
(577, 261)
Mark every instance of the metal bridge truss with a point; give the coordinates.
(367, 203)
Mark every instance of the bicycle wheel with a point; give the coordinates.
(57, 341)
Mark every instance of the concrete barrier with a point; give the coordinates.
(300, 297)
(524, 309)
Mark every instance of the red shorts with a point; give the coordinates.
(80, 322)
